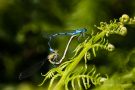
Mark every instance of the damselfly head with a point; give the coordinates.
(84, 29)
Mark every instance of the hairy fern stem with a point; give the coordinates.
(76, 60)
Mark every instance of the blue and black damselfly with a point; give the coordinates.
(53, 56)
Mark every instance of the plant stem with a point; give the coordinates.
(76, 60)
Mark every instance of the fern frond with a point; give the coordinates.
(79, 47)
(63, 65)
(83, 77)
(53, 72)
(52, 80)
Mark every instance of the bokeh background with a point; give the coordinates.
(25, 24)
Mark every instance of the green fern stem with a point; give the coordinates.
(77, 59)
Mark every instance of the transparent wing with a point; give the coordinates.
(31, 70)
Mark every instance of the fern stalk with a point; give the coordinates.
(76, 60)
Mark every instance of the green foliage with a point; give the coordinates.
(123, 81)
(68, 72)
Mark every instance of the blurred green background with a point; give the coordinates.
(24, 25)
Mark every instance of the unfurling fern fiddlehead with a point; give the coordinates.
(68, 71)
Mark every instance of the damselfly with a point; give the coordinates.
(73, 33)
(76, 32)
(53, 56)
